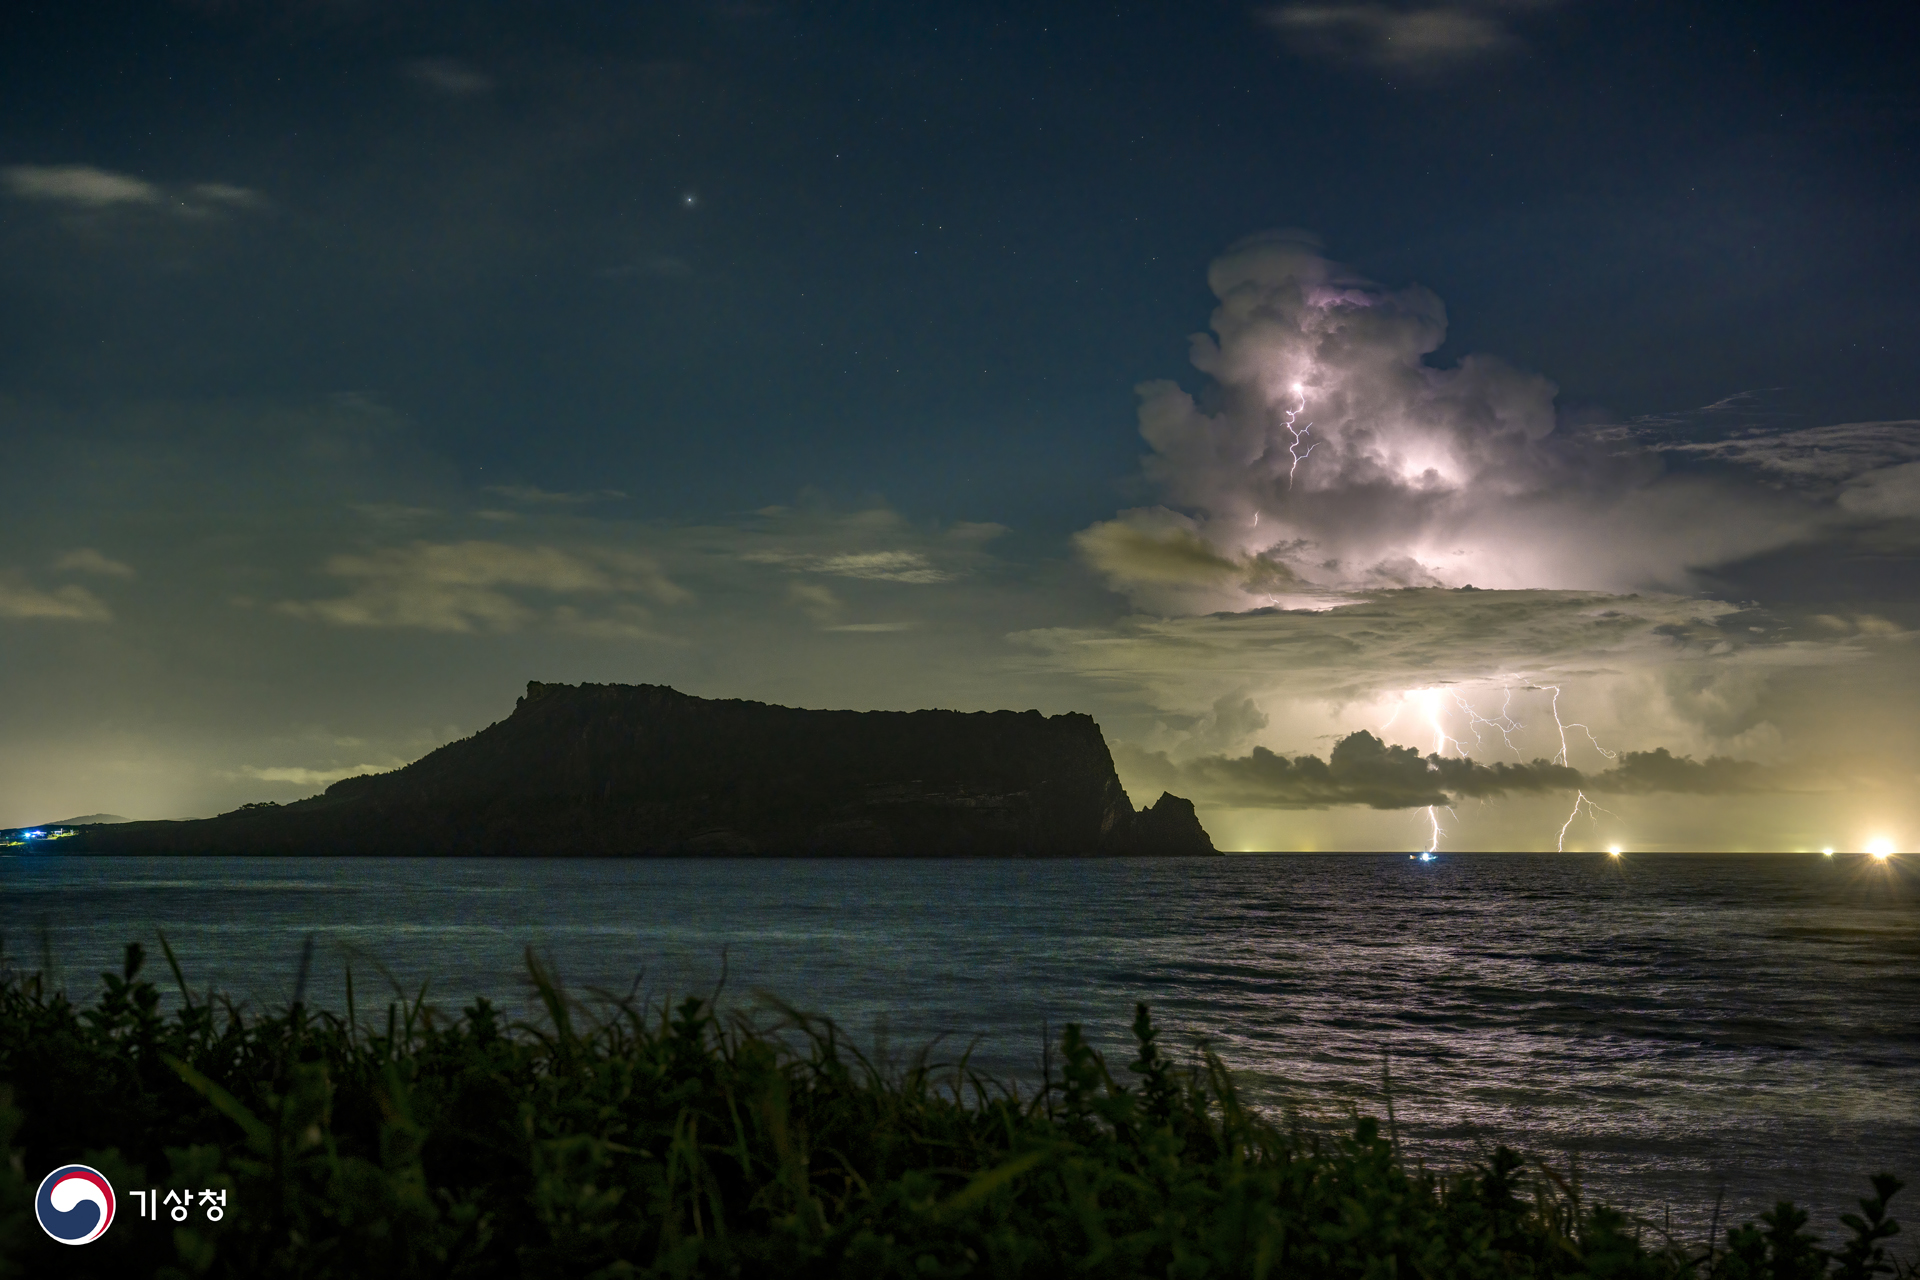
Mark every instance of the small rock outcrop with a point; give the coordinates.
(626, 770)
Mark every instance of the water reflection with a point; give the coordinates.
(1678, 1021)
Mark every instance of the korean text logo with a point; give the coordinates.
(177, 1204)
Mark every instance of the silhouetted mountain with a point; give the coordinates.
(642, 769)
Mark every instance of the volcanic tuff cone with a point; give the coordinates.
(643, 769)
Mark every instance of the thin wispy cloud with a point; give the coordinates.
(298, 776)
(78, 184)
(1394, 37)
(532, 495)
(89, 560)
(449, 77)
(87, 188)
(484, 586)
(20, 599)
(879, 566)
(1841, 452)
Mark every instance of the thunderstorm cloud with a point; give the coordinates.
(1363, 770)
(1349, 535)
(1324, 456)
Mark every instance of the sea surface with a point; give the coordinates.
(1676, 1027)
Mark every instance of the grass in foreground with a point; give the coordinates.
(668, 1142)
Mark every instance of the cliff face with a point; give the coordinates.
(643, 769)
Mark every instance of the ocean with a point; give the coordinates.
(1678, 1029)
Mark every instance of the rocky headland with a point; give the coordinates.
(637, 770)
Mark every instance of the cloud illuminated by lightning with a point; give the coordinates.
(1435, 483)
(1505, 725)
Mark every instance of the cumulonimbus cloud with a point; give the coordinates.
(1323, 456)
(1363, 770)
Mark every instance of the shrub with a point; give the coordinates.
(670, 1141)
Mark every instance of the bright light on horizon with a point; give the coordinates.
(1614, 851)
(1881, 848)
(1827, 852)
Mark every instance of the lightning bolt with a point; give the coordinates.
(1564, 725)
(1298, 434)
(1433, 817)
(1503, 724)
(1580, 800)
(1430, 698)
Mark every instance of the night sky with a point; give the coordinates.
(361, 360)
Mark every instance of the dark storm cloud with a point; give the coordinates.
(1646, 772)
(1364, 771)
(1415, 638)
(1656, 683)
